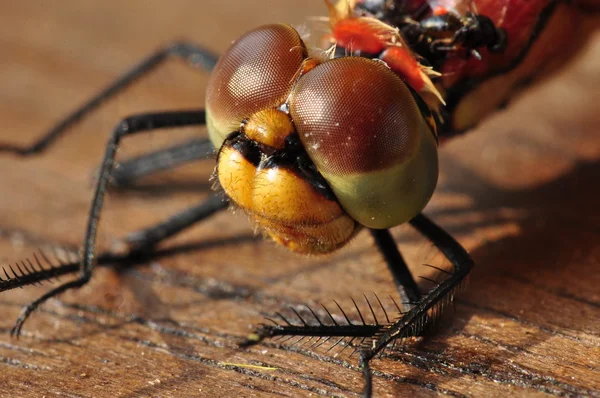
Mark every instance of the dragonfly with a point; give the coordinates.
(262, 141)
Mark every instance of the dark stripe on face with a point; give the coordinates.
(301, 166)
(247, 148)
(292, 157)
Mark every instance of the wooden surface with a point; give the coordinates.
(521, 192)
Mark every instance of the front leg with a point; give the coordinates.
(414, 321)
(133, 169)
(195, 56)
(129, 126)
(405, 283)
(40, 268)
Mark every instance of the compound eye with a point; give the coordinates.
(363, 129)
(257, 72)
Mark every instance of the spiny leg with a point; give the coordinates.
(40, 268)
(195, 56)
(146, 239)
(413, 322)
(128, 126)
(132, 169)
(405, 283)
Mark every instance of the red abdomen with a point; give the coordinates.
(541, 35)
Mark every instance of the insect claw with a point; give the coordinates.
(32, 266)
(15, 275)
(315, 343)
(330, 316)
(358, 346)
(343, 313)
(438, 268)
(27, 270)
(271, 320)
(371, 308)
(299, 316)
(358, 310)
(396, 304)
(335, 345)
(323, 342)
(301, 338)
(382, 308)
(315, 315)
(284, 319)
(287, 339)
(430, 280)
(348, 344)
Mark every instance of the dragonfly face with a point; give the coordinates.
(314, 149)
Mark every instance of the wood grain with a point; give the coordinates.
(521, 192)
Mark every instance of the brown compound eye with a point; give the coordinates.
(257, 72)
(364, 131)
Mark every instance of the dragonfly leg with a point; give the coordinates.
(405, 283)
(364, 364)
(128, 126)
(197, 57)
(164, 159)
(147, 238)
(415, 320)
(41, 268)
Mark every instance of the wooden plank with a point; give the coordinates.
(520, 192)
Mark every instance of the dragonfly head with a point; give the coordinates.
(312, 151)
